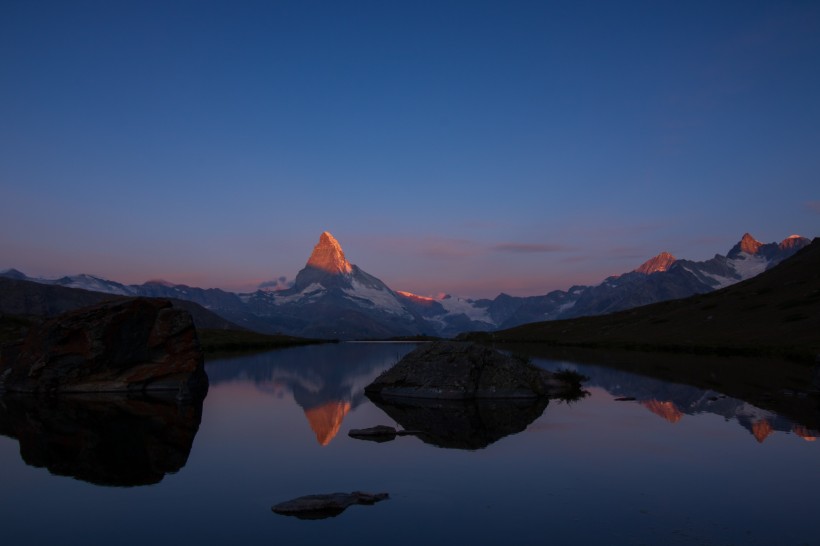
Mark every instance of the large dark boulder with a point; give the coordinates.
(129, 345)
(452, 370)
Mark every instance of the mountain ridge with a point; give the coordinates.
(334, 298)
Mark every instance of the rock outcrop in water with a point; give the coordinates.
(130, 345)
(325, 506)
(451, 370)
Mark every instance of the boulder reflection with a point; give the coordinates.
(103, 439)
(462, 424)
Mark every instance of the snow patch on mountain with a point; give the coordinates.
(458, 306)
(748, 266)
(311, 291)
(378, 298)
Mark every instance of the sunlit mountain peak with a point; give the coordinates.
(661, 262)
(328, 256)
(749, 244)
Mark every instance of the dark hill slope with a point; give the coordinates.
(776, 312)
(26, 298)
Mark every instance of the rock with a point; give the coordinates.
(625, 399)
(325, 506)
(452, 370)
(379, 433)
(129, 345)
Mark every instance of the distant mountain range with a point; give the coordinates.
(776, 312)
(333, 298)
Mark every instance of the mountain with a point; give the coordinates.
(660, 278)
(775, 312)
(333, 298)
(27, 298)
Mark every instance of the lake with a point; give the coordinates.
(672, 464)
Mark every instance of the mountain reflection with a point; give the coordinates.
(673, 401)
(104, 439)
(463, 424)
(327, 381)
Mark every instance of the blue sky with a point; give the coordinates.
(463, 147)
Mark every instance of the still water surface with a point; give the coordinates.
(677, 465)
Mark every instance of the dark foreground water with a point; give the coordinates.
(676, 465)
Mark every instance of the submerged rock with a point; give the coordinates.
(325, 506)
(129, 345)
(452, 370)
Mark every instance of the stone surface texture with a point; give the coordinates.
(127, 345)
(326, 505)
(453, 370)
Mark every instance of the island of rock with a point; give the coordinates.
(453, 370)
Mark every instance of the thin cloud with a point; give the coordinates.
(281, 283)
(813, 206)
(529, 248)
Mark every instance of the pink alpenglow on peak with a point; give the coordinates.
(661, 262)
(793, 241)
(749, 244)
(328, 256)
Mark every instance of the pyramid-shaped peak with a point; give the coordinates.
(661, 262)
(328, 256)
(749, 244)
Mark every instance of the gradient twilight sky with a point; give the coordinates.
(464, 147)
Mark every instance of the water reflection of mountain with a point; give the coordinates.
(104, 439)
(327, 381)
(672, 401)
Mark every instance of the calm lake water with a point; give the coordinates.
(676, 465)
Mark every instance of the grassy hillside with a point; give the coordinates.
(776, 313)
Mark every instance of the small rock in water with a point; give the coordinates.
(325, 506)
(379, 433)
(625, 399)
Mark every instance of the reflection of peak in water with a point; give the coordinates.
(761, 430)
(326, 420)
(805, 433)
(327, 381)
(105, 439)
(654, 393)
(665, 409)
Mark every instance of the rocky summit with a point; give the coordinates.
(332, 298)
(328, 256)
(129, 345)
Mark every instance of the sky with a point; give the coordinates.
(464, 147)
